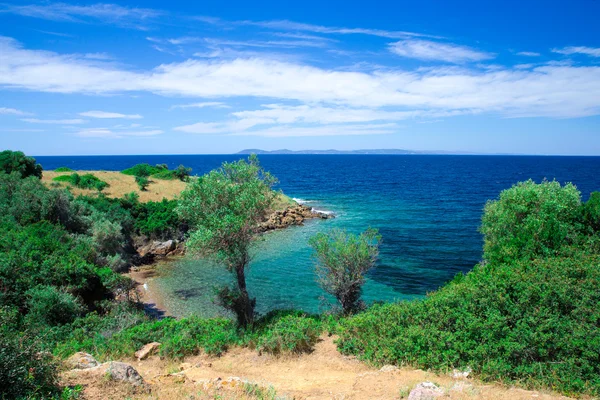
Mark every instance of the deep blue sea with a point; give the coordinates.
(427, 208)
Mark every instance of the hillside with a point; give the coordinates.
(121, 184)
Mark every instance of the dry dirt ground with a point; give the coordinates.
(323, 374)
(121, 184)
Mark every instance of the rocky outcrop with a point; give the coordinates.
(124, 372)
(293, 215)
(147, 350)
(425, 391)
(150, 250)
(81, 360)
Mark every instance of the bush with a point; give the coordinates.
(48, 305)
(158, 219)
(26, 372)
(142, 182)
(144, 170)
(591, 212)
(290, 334)
(63, 169)
(16, 161)
(530, 220)
(85, 181)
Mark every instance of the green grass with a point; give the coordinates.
(85, 181)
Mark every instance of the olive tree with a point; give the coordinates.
(16, 161)
(224, 209)
(343, 259)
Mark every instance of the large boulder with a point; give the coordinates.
(120, 371)
(81, 360)
(425, 391)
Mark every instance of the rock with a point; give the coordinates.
(425, 391)
(120, 371)
(163, 248)
(388, 368)
(81, 360)
(458, 374)
(146, 350)
(293, 215)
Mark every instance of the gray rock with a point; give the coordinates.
(120, 371)
(425, 391)
(81, 360)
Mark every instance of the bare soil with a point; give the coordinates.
(323, 374)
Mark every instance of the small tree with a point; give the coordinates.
(182, 172)
(16, 161)
(142, 182)
(343, 259)
(224, 209)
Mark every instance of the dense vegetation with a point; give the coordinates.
(159, 171)
(16, 161)
(528, 313)
(85, 181)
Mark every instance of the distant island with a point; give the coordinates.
(362, 151)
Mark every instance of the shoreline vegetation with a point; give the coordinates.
(527, 315)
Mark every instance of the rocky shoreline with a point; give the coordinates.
(149, 251)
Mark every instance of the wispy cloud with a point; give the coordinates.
(546, 90)
(104, 114)
(435, 51)
(107, 133)
(111, 13)
(588, 51)
(528, 54)
(54, 121)
(12, 111)
(212, 104)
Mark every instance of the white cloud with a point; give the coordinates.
(212, 104)
(54, 121)
(104, 114)
(547, 90)
(111, 134)
(12, 111)
(435, 51)
(75, 13)
(528, 54)
(588, 51)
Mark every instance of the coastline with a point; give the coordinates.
(148, 294)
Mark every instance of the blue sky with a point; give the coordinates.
(213, 77)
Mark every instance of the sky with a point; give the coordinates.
(215, 77)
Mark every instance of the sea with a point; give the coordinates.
(427, 208)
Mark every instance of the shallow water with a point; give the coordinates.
(427, 208)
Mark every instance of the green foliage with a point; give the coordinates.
(343, 259)
(290, 334)
(48, 305)
(85, 181)
(531, 319)
(591, 212)
(224, 209)
(182, 172)
(144, 170)
(63, 169)
(157, 219)
(16, 161)
(26, 371)
(142, 182)
(530, 220)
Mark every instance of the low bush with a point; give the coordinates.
(142, 182)
(48, 305)
(291, 334)
(63, 169)
(145, 170)
(85, 181)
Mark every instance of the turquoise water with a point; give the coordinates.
(427, 208)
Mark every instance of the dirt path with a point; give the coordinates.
(323, 374)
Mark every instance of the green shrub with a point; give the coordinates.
(158, 219)
(144, 170)
(26, 372)
(85, 181)
(289, 334)
(48, 305)
(530, 220)
(591, 212)
(165, 175)
(63, 169)
(142, 182)
(16, 161)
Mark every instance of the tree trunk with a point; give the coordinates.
(246, 312)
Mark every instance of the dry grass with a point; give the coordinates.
(121, 184)
(322, 374)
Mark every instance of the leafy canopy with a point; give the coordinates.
(343, 259)
(16, 161)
